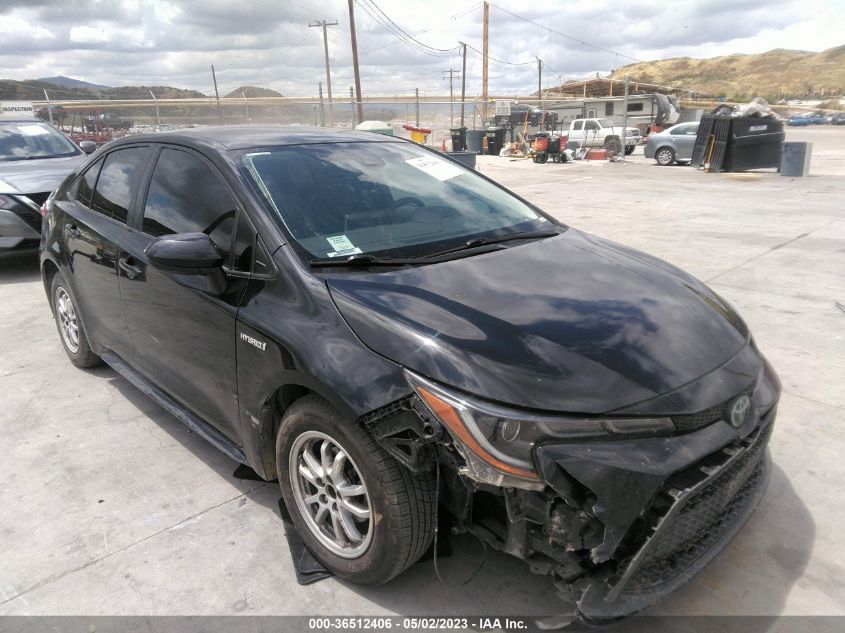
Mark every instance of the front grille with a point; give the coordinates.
(695, 421)
(28, 214)
(689, 526)
(38, 198)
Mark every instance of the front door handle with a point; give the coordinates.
(132, 271)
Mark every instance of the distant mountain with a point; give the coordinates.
(773, 75)
(68, 82)
(143, 92)
(33, 90)
(253, 91)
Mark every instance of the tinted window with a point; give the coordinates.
(577, 125)
(591, 125)
(118, 182)
(85, 184)
(186, 196)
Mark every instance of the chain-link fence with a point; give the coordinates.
(104, 120)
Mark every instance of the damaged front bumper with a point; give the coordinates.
(661, 527)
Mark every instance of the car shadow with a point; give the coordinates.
(18, 267)
(753, 576)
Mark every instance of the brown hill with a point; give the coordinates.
(773, 75)
(31, 90)
(253, 91)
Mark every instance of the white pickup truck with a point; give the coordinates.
(602, 133)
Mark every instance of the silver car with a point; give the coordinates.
(672, 145)
(34, 159)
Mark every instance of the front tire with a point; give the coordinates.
(629, 149)
(71, 332)
(365, 517)
(664, 156)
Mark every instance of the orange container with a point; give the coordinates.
(540, 144)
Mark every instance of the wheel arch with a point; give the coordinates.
(289, 388)
(48, 271)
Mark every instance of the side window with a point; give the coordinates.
(591, 125)
(118, 182)
(578, 125)
(186, 196)
(84, 187)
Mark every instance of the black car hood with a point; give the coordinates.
(36, 176)
(571, 323)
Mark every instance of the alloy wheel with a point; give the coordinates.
(68, 324)
(330, 494)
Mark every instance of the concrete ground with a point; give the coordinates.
(109, 506)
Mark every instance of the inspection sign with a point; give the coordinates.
(9, 109)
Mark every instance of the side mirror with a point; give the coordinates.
(89, 147)
(186, 253)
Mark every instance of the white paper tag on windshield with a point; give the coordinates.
(32, 130)
(436, 167)
(342, 246)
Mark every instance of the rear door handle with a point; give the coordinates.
(132, 271)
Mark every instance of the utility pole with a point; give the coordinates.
(539, 78)
(451, 72)
(624, 118)
(463, 82)
(324, 24)
(355, 60)
(217, 94)
(416, 104)
(322, 107)
(352, 101)
(486, 38)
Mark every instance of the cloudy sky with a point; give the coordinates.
(268, 42)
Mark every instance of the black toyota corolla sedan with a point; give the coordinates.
(389, 333)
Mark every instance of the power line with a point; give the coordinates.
(404, 32)
(400, 40)
(500, 61)
(569, 37)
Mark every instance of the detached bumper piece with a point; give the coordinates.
(694, 516)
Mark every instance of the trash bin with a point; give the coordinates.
(465, 158)
(459, 138)
(474, 142)
(754, 142)
(795, 159)
(495, 140)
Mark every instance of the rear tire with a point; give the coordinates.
(664, 156)
(71, 332)
(366, 519)
(613, 145)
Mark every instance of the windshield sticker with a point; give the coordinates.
(32, 130)
(435, 167)
(342, 246)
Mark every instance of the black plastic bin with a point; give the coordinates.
(754, 143)
(474, 142)
(495, 140)
(459, 139)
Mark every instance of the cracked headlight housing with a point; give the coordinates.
(498, 442)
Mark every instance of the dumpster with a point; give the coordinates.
(474, 142)
(459, 138)
(495, 140)
(795, 159)
(467, 159)
(754, 143)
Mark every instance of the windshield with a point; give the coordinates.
(390, 199)
(26, 140)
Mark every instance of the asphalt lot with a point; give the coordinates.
(109, 506)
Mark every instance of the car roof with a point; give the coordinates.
(21, 119)
(233, 137)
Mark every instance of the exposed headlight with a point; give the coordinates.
(498, 442)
